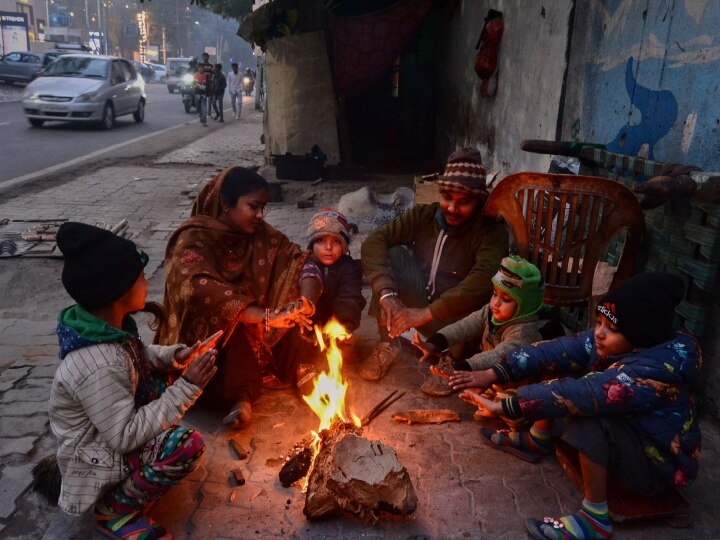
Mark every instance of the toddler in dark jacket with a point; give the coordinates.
(631, 416)
(331, 278)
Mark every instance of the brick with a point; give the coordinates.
(21, 445)
(16, 426)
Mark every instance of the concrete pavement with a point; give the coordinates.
(465, 489)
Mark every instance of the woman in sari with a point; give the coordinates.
(229, 270)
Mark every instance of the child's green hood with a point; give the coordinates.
(79, 328)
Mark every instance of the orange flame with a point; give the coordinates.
(327, 399)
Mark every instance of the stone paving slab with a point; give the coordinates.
(465, 489)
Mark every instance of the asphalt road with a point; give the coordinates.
(26, 150)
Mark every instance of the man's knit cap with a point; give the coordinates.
(464, 172)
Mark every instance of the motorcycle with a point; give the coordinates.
(248, 84)
(187, 89)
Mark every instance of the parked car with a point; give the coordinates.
(160, 73)
(24, 66)
(145, 70)
(85, 88)
(176, 68)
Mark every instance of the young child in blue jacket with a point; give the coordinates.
(631, 416)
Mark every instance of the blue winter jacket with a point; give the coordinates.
(648, 387)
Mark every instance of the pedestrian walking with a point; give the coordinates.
(235, 89)
(218, 92)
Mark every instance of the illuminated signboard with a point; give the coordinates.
(13, 32)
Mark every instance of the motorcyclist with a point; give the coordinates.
(187, 87)
(249, 81)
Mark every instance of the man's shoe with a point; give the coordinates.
(221, 120)
(380, 361)
(239, 416)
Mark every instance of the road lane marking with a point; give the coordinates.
(4, 123)
(7, 184)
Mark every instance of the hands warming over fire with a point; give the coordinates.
(292, 313)
(401, 318)
(460, 380)
(486, 407)
(429, 350)
(198, 361)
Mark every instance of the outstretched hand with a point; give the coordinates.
(186, 354)
(401, 318)
(430, 352)
(460, 380)
(486, 407)
(292, 313)
(201, 368)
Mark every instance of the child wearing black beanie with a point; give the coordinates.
(111, 401)
(631, 417)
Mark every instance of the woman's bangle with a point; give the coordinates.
(387, 295)
(266, 320)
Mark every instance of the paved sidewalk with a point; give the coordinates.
(465, 489)
(10, 92)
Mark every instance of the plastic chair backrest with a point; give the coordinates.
(563, 224)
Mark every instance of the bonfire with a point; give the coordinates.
(342, 470)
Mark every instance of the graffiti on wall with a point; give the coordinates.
(649, 87)
(658, 113)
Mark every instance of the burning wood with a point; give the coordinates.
(297, 467)
(347, 472)
(356, 475)
(299, 464)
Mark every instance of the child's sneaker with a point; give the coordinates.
(135, 525)
(380, 361)
(436, 387)
(437, 383)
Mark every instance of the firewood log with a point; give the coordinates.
(357, 475)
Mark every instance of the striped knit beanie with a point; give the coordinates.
(464, 172)
(522, 281)
(331, 223)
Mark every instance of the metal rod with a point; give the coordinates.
(367, 416)
(380, 407)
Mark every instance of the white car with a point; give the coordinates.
(85, 88)
(160, 73)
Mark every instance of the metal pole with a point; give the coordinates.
(100, 29)
(47, 20)
(87, 20)
(105, 39)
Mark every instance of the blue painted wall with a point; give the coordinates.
(650, 80)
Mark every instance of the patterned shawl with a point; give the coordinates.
(214, 273)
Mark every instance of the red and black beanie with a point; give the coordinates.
(643, 307)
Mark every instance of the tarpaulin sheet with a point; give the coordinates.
(365, 46)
